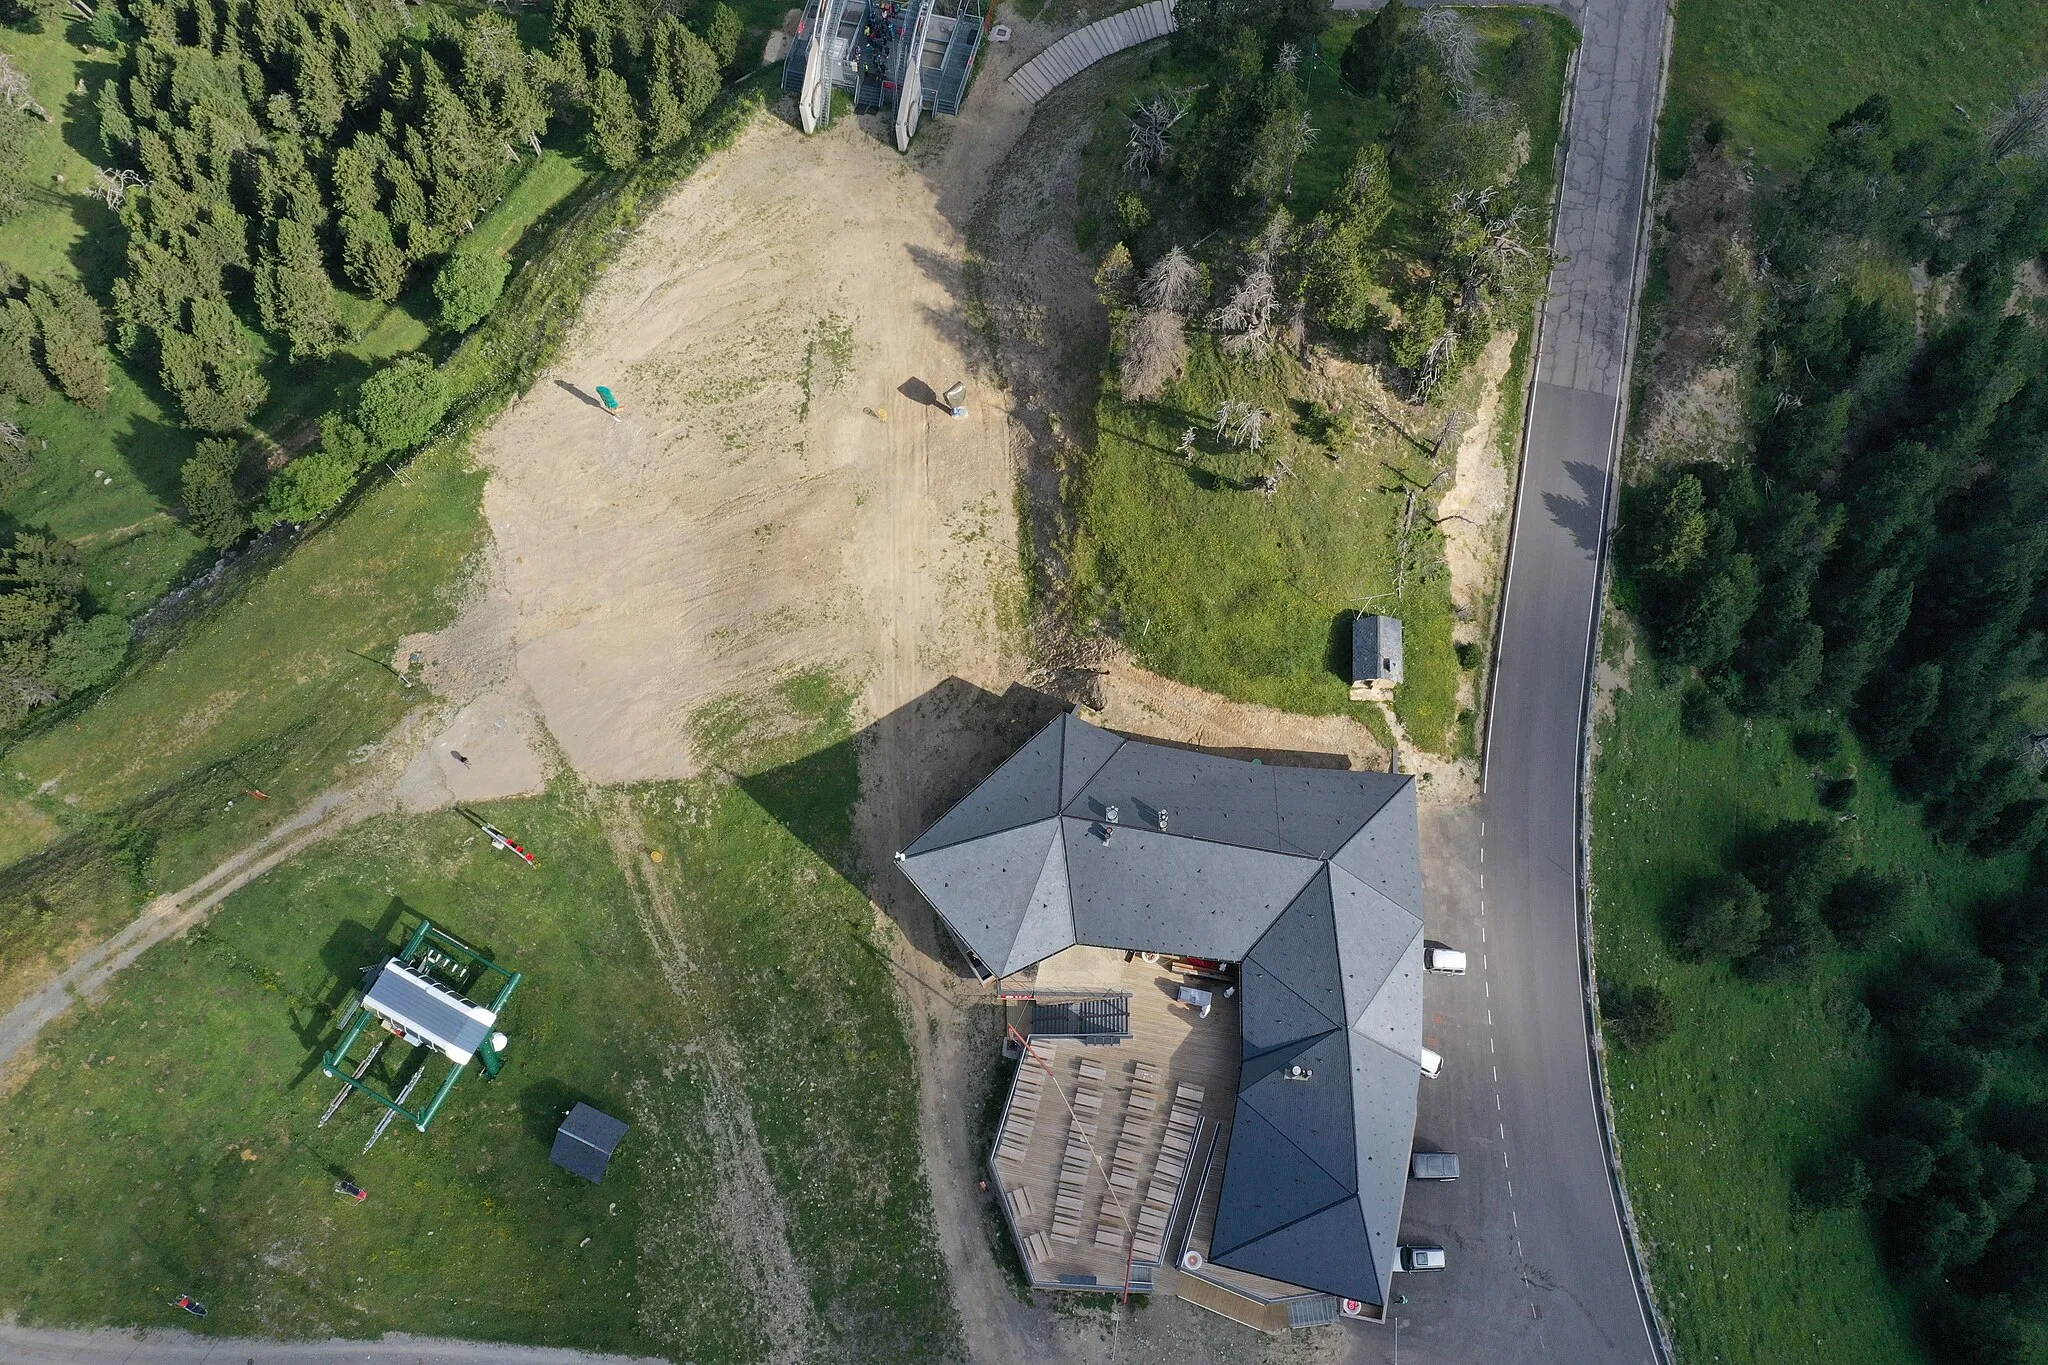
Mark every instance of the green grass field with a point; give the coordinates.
(773, 1024)
(260, 690)
(1759, 1080)
(1218, 586)
(1776, 72)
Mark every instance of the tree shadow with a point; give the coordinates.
(1581, 517)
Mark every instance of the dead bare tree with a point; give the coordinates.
(1300, 138)
(1187, 445)
(1245, 315)
(1151, 123)
(1455, 40)
(15, 93)
(1270, 484)
(10, 435)
(1172, 282)
(111, 187)
(1288, 57)
(1248, 428)
(1154, 355)
(2022, 128)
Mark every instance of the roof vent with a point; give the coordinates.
(1162, 821)
(1110, 815)
(1298, 1072)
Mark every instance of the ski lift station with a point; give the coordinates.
(425, 1003)
(902, 57)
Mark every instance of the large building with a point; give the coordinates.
(1138, 905)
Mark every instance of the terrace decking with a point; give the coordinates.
(1100, 1143)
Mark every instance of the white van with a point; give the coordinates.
(1432, 1064)
(1443, 961)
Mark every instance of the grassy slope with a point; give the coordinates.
(1759, 1080)
(1778, 71)
(1248, 596)
(1715, 1123)
(221, 1184)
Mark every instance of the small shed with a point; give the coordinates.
(585, 1142)
(1376, 668)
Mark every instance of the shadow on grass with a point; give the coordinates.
(930, 754)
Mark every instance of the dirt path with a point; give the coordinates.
(173, 913)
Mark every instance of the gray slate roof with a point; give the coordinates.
(1308, 877)
(585, 1142)
(1376, 650)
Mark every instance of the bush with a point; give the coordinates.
(1896, 1164)
(1702, 714)
(307, 488)
(1946, 1072)
(1725, 918)
(1470, 654)
(1817, 746)
(468, 285)
(87, 653)
(1837, 1181)
(1636, 1017)
(1933, 992)
(400, 405)
(214, 506)
(1862, 904)
(1798, 862)
(1837, 793)
(1794, 937)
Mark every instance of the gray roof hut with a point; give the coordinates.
(585, 1142)
(1376, 667)
(1311, 878)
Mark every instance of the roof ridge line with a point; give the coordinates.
(976, 838)
(1244, 1102)
(1370, 889)
(1368, 1038)
(1181, 834)
(1293, 1043)
(1316, 1010)
(1282, 1227)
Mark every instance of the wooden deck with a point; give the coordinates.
(1097, 1141)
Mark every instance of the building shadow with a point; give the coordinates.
(545, 1103)
(915, 764)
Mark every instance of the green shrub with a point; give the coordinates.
(1725, 918)
(1836, 1181)
(87, 653)
(307, 488)
(400, 405)
(214, 506)
(1702, 714)
(1636, 1017)
(468, 286)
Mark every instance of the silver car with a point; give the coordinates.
(1422, 1258)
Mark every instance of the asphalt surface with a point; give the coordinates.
(32, 1346)
(1539, 1265)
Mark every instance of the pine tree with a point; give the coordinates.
(71, 339)
(294, 295)
(20, 375)
(614, 127)
(1369, 56)
(214, 506)
(369, 258)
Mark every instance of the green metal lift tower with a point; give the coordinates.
(427, 999)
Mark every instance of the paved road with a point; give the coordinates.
(32, 1346)
(1540, 1269)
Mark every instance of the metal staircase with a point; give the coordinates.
(957, 66)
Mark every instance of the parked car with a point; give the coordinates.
(1422, 1258)
(1443, 961)
(1432, 1064)
(1433, 1166)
